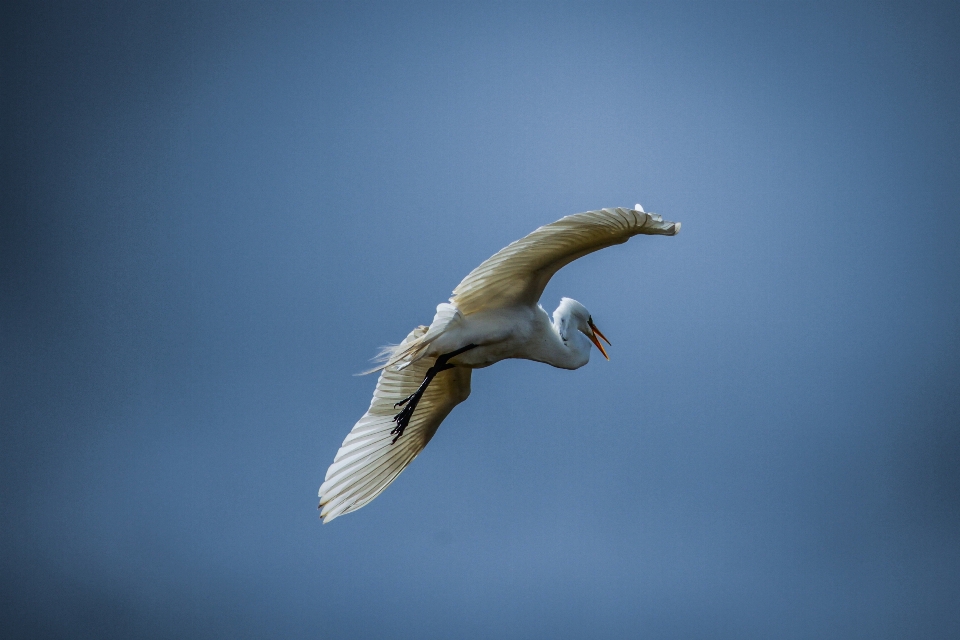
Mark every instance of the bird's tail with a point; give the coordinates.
(393, 353)
(415, 345)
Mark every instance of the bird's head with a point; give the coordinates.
(571, 315)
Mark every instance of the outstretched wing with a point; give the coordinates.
(368, 461)
(518, 273)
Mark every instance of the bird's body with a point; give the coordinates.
(494, 314)
(521, 332)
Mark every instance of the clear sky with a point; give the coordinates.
(211, 216)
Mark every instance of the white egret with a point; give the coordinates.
(493, 314)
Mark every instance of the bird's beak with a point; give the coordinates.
(593, 337)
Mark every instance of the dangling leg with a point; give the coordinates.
(442, 364)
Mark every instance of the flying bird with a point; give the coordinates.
(493, 314)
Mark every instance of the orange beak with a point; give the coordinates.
(593, 338)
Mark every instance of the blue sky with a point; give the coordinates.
(213, 215)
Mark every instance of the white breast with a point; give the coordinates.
(514, 332)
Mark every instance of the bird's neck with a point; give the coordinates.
(571, 349)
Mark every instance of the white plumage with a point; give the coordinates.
(493, 315)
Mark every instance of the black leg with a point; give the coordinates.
(410, 403)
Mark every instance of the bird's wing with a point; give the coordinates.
(368, 461)
(518, 273)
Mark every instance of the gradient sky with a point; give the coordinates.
(213, 215)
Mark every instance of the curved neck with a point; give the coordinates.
(572, 348)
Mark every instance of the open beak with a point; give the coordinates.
(593, 338)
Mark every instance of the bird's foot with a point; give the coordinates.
(409, 403)
(402, 419)
(405, 400)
